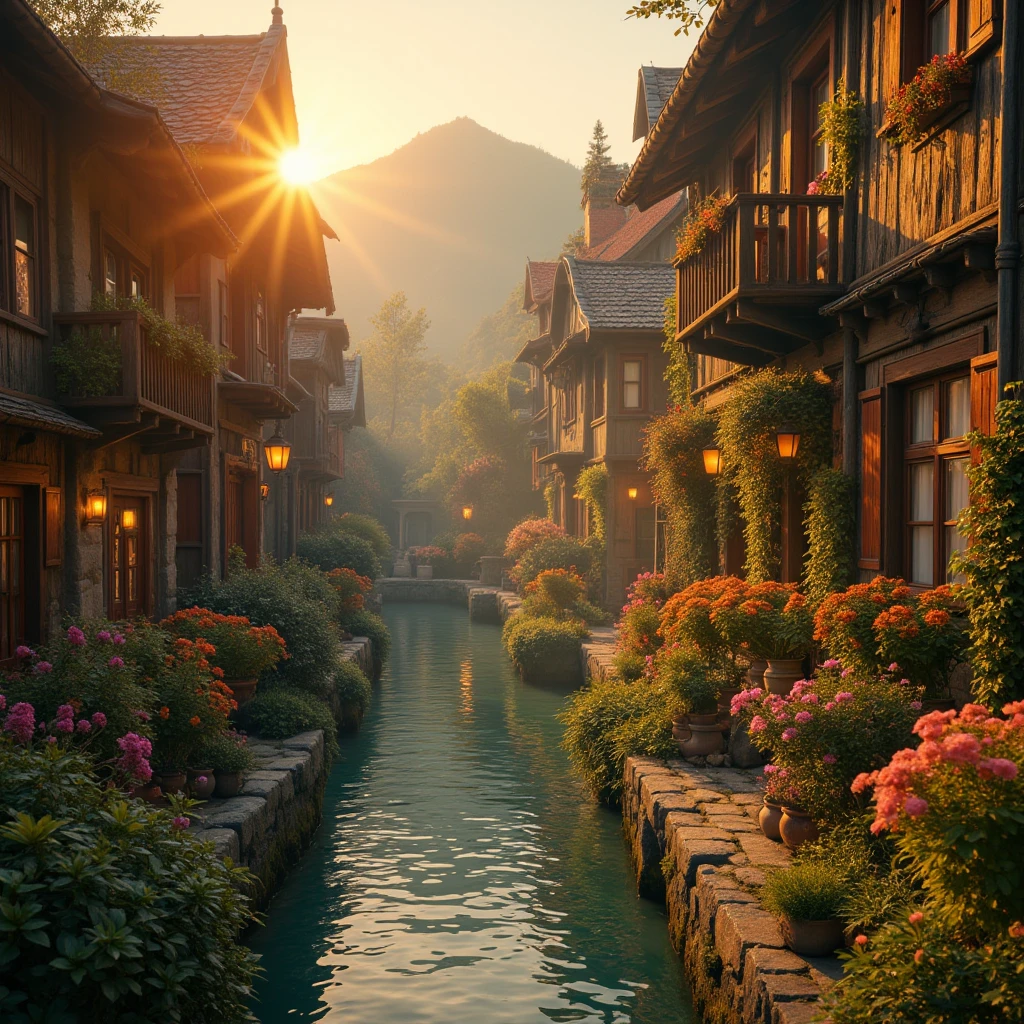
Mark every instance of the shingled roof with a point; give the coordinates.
(621, 296)
(653, 88)
(319, 340)
(345, 401)
(637, 230)
(540, 279)
(20, 412)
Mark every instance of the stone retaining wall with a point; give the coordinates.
(696, 844)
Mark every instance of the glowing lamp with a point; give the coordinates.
(95, 507)
(278, 452)
(328, 500)
(632, 492)
(467, 512)
(788, 441)
(264, 490)
(712, 461)
(129, 519)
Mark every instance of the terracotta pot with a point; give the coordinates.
(151, 792)
(228, 784)
(725, 708)
(797, 827)
(201, 790)
(937, 704)
(243, 690)
(782, 673)
(171, 780)
(813, 938)
(698, 735)
(755, 674)
(424, 572)
(769, 818)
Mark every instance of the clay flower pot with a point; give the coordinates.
(755, 674)
(243, 690)
(150, 792)
(698, 735)
(769, 818)
(172, 780)
(228, 784)
(201, 783)
(797, 827)
(813, 938)
(782, 673)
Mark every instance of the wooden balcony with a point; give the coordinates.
(754, 291)
(318, 452)
(163, 401)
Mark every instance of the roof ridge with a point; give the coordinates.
(269, 43)
(190, 40)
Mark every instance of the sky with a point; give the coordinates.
(370, 75)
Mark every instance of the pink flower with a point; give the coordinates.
(916, 917)
(24, 652)
(142, 716)
(21, 722)
(830, 705)
(802, 717)
(42, 668)
(51, 739)
(103, 635)
(134, 757)
(757, 724)
(845, 673)
(76, 637)
(788, 734)
(831, 663)
(961, 748)
(83, 725)
(3, 702)
(201, 779)
(916, 705)
(1000, 767)
(829, 758)
(99, 719)
(116, 663)
(118, 639)
(64, 725)
(843, 697)
(770, 769)
(915, 806)
(180, 822)
(893, 667)
(809, 698)
(65, 711)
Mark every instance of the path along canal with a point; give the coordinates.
(461, 875)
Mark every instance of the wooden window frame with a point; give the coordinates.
(744, 157)
(816, 61)
(599, 374)
(633, 357)
(13, 188)
(129, 259)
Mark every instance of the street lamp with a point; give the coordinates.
(787, 439)
(712, 461)
(632, 492)
(328, 500)
(278, 451)
(467, 512)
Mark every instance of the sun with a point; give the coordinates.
(296, 166)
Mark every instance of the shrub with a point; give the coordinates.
(468, 549)
(528, 534)
(366, 527)
(242, 650)
(545, 649)
(694, 684)
(629, 667)
(352, 691)
(771, 620)
(227, 752)
(567, 553)
(554, 593)
(610, 721)
(428, 554)
(592, 487)
(638, 629)
(369, 624)
(329, 550)
(278, 714)
(808, 891)
(350, 587)
(831, 534)
(686, 618)
(122, 914)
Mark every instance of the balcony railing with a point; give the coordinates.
(150, 388)
(775, 261)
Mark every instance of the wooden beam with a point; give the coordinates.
(940, 275)
(875, 309)
(727, 350)
(762, 338)
(908, 294)
(182, 444)
(809, 330)
(114, 433)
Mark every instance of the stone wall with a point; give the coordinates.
(696, 844)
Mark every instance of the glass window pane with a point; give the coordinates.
(631, 370)
(922, 415)
(938, 30)
(954, 542)
(958, 408)
(956, 488)
(24, 226)
(922, 556)
(109, 274)
(922, 492)
(23, 283)
(631, 396)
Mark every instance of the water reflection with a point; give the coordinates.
(459, 876)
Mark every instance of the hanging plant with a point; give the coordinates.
(550, 492)
(672, 454)
(831, 524)
(705, 218)
(592, 487)
(842, 128)
(678, 375)
(758, 405)
(930, 90)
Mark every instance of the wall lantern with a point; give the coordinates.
(264, 490)
(788, 440)
(95, 507)
(712, 461)
(129, 519)
(467, 512)
(328, 500)
(278, 451)
(632, 492)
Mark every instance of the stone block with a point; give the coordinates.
(225, 841)
(749, 876)
(736, 781)
(740, 928)
(678, 804)
(763, 852)
(308, 741)
(245, 815)
(790, 988)
(713, 889)
(699, 833)
(736, 823)
(705, 796)
(297, 765)
(275, 791)
(796, 1013)
(679, 819)
(691, 854)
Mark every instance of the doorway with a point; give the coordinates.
(12, 570)
(128, 575)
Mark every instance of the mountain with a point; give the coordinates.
(449, 218)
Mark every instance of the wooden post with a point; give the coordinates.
(850, 402)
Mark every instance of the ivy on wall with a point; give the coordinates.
(592, 488)
(678, 374)
(831, 526)
(550, 493)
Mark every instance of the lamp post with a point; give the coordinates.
(278, 451)
(712, 461)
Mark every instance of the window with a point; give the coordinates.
(128, 580)
(109, 274)
(917, 30)
(598, 387)
(936, 457)
(818, 157)
(938, 28)
(123, 275)
(19, 269)
(632, 396)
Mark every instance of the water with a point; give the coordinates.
(460, 875)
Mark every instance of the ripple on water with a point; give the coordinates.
(460, 876)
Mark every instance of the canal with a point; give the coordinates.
(461, 876)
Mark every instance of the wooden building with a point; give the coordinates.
(347, 407)
(96, 197)
(904, 290)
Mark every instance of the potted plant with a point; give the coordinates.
(695, 727)
(778, 791)
(425, 559)
(241, 651)
(201, 783)
(230, 757)
(807, 898)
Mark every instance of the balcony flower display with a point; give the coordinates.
(707, 217)
(928, 92)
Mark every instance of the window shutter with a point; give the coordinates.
(984, 386)
(870, 479)
(892, 50)
(54, 553)
(984, 23)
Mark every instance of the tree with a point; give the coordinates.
(690, 12)
(575, 244)
(597, 163)
(393, 356)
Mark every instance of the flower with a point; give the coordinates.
(118, 639)
(195, 721)
(42, 668)
(918, 956)
(116, 663)
(76, 637)
(757, 724)
(831, 663)
(1000, 767)
(916, 917)
(788, 734)
(103, 635)
(916, 806)
(829, 758)
(201, 779)
(99, 719)
(841, 698)
(181, 822)
(135, 752)
(142, 716)
(861, 940)
(165, 712)
(24, 652)
(893, 667)
(802, 717)
(21, 722)
(65, 711)
(84, 725)
(64, 725)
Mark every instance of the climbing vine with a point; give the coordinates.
(831, 524)
(592, 487)
(549, 498)
(842, 128)
(758, 405)
(672, 454)
(678, 372)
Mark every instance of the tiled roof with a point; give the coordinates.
(622, 295)
(344, 400)
(540, 278)
(654, 87)
(206, 84)
(20, 412)
(636, 230)
(308, 335)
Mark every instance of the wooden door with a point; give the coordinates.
(129, 579)
(241, 515)
(12, 570)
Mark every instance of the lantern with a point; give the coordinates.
(328, 500)
(264, 490)
(278, 451)
(632, 492)
(788, 440)
(712, 461)
(129, 519)
(467, 512)
(95, 507)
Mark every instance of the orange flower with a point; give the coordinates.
(195, 721)
(936, 617)
(165, 712)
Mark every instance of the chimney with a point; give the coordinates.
(602, 217)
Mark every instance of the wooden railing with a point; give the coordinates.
(770, 245)
(148, 379)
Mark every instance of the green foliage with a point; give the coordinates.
(226, 752)
(672, 454)
(545, 649)
(629, 667)
(369, 624)
(610, 721)
(638, 628)
(842, 128)
(690, 13)
(109, 911)
(592, 487)
(694, 684)
(758, 405)
(277, 714)
(993, 564)
(550, 493)
(367, 528)
(87, 364)
(831, 526)
(553, 553)
(808, 891)
(329, 548)
(678, 374)
(601, 177)
(353, 691)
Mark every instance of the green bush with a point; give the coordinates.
(693, 683)
(278, 714)
(370, 624)
(329, 550)
(831, 534)
(544, 649)
(611, 721)
(226, 752)
(628, 666)
(567, 553)
(809, 891)
(297, 601)
(367, 528)
(110, 912)
(352, 692)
